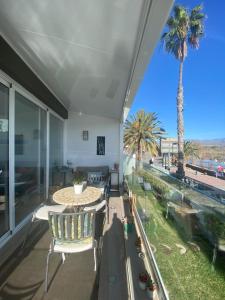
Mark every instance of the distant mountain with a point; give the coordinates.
(211, 142)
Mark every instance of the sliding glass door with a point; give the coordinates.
(23, 156)
(4, 159)
(55, 153)
(30, 156)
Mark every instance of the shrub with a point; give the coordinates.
(215, 225)
(158, 186)
(78, 177)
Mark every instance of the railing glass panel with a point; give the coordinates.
(186, 233)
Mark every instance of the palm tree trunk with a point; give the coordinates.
(138, 155)
(180, 124)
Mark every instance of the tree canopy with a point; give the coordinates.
(184, 27)
(141, 133)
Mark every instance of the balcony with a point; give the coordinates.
(22, 276)
(68, 77)
(119, 264)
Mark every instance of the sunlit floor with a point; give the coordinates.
(75, 279)
(22, 277)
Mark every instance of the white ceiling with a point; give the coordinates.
(83, 50)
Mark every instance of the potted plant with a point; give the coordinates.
(78, 182)
(150, 288)
(143, 278)
(138, 244)
(128, 224)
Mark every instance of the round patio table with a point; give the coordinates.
(66, 196)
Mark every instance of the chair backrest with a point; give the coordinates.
(96, 207)
(72, 227)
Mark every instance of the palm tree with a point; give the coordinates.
(141, 133)
(184, 28)
(191, 150)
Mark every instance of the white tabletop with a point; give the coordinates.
(66, 196)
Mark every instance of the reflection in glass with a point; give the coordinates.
(4, 159)
(30, 156)
(56, 177)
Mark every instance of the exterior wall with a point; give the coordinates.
(84, 153)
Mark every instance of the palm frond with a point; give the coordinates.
(142, 131)
(184, 28)
(191, 150)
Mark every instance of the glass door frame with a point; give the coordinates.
(49, 113)
(22, 91)
(8, 233)
(13, 88)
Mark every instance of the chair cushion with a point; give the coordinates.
(74, 247)
(42, 212)
(100, 185)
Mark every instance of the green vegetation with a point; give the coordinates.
(141, 133)
(184, 261)
(185, 28)
(191, 150)
(79, 177)
(158, 185)
(215, 226)
(211, 152)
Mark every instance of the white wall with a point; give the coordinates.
(84, 153)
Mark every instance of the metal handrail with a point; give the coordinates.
(151, 257)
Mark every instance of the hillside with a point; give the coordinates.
(211, 142)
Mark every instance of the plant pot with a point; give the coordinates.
(138, 249)
(150, 293)
(84, 184)
(128, 227)
(78, 188)
(142, 285)
(141, 255)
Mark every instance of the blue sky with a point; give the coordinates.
(204, 81)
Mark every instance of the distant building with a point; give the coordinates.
(168, 146)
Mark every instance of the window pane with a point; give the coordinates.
(55, 153)
(30, 156)
(4, 159)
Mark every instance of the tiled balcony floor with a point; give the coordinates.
(75, 279)
(22, 278)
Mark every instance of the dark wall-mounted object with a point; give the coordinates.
(100, 145)
(16, 68)
(85, 135)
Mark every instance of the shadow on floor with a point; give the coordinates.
(22, 276)
(113, 284)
